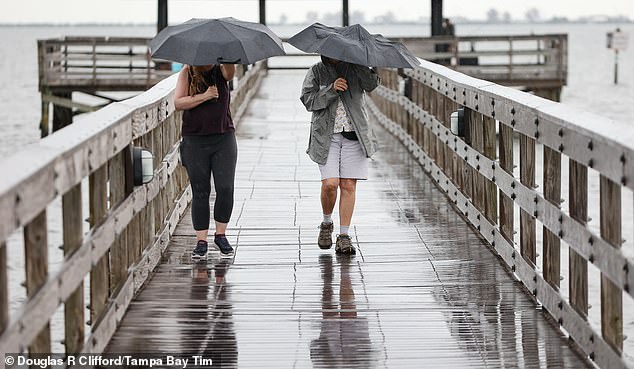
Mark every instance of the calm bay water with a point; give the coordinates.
(589, 88)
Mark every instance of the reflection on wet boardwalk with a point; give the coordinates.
(423, 291)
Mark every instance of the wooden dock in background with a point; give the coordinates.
(536, 63)
(94, 65)
(91, 65)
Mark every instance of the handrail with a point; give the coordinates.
(483, 187)
(543, 58)
(130, 226)
(64, 63)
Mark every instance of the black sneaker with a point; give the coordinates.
(325, 235)
(223, 245)
(200, 252)
(344, 245)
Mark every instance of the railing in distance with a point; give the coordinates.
(97, 62)
(527, 60)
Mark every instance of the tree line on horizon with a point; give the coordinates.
(493, 15)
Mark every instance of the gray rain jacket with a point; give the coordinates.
(319, 97)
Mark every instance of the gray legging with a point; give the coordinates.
(202, 156)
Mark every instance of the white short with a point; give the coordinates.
(346, 159)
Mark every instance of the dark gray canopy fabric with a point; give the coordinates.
(353, 44)
(213, 41)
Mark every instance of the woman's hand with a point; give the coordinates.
(340, 84)
(211, 93)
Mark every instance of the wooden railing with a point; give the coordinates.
(129, 226)
(98, 63)
(476, 172)
(123, 63)
(535, 61)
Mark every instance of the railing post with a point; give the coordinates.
(99, 277)
(467, 171)
(552, 193)
(611, 295)
(44, 119)
(510, 58)
(578, 207)
(36, 254)
(440, 115)
(507, 213)
(527, 177)
(490, 151)
(4, 288)
(118, 252)
(94, 61)
(73, 234)
(477, 142)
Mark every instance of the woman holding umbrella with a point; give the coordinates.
(208, 147)
(341, 140)
(210, 48)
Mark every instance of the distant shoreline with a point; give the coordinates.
(426, 22)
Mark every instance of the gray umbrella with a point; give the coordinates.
(212, 41)
(353, 44)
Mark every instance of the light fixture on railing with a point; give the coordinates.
(457, 122)
(143, 164)
(405, 86)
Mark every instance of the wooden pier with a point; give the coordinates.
(423, 291)
(91, 65)
(441, 278)
(536, 63)
(94, 65)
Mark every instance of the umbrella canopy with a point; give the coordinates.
(213, 41)
(354, 44)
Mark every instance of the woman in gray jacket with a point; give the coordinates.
(340, 139)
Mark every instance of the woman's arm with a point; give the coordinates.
(228, 71)
(182, 100)
(316, 97)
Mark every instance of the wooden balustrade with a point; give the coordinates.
(97, 64)
(477, 173)
(129, 226)
(531, 61)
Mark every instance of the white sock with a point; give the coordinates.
(344, 229)
(328, 218)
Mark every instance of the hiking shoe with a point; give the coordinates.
(200, 252)
(344, 245)
(325, 235)
(223, 245)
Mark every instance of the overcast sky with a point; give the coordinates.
(144, 11)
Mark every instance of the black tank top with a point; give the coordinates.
(210, 117)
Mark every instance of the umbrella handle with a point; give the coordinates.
(221, 60)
